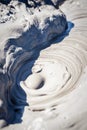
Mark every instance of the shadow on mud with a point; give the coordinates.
(21, 103)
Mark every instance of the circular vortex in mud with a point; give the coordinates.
(54, 75)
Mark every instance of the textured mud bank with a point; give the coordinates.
(43, 65)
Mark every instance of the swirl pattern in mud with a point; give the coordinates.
(54, 75)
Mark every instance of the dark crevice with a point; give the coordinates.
(5, 1)
(36, 3)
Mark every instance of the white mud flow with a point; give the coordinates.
(49, 89)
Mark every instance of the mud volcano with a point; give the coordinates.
(43, 65)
